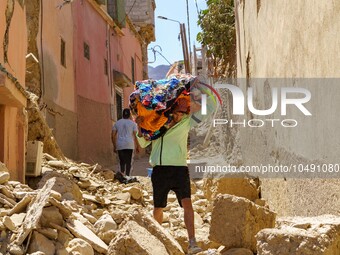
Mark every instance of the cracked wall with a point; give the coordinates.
(33, 75)
(292, 39)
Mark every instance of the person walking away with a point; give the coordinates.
(170, 171)
(124, 140)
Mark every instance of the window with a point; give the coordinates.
(86, 51)
(105, 67)
(62, 52)
(133, 70)
(119, 104)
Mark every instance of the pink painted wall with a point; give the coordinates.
(92, 85)
(58, 80)
(125, 48)
(13, 154)
(17, 41)
(91, 28)
(13, 122)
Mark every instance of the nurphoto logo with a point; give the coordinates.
(239, 103)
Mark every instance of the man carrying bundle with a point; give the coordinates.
(170, 172)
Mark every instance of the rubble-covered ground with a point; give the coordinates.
(76, 208)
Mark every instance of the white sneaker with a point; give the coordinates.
(193, 249)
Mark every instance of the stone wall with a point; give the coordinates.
(294, 40)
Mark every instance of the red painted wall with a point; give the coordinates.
(91, 28)
(93, 91)
(124, 49)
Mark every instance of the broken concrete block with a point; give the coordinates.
(241, 187)
(9, 203)
(301, 235)
(4, 190)
(64, 210)
(108, 174)
(7, 221)
(18, 219)
(90, 218)
(4, 177)
(119, 215)
(79, 230)
(57, 164)
(97, 199)
(134, 239)
(148, 222)
(21, 206)
(56, 195)
(34, 211)
(16, 249)
(198, 220)
(63, 234)
(235, 221)
(79, 246)
(50, 215)
(67, 188)
(41, 243)
(135, 192)
(105, 228)
(126, 197)
(46, 170)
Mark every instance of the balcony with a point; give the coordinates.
(9, 94)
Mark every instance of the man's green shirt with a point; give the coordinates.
(172, 151)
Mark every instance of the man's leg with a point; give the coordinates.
(189, 217)
(121, 160)
(128, 160)
(158, 214)
(160, 187)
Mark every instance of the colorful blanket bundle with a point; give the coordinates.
(155, 99)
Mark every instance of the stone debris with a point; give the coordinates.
(105, 227)
(80, 209)
(41, 243)
(35, 211)
(134, 239)
(241, 187)
(158, 231)
(79, 230)
(235, 221)
(4, 177)
(301, 235)
(79, 246)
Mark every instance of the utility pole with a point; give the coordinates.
(185, 48)
(184, 43)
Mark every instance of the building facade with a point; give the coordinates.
(13, 118)
(90, 54)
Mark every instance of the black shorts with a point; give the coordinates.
(166, 178)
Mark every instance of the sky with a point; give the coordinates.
(167, 32)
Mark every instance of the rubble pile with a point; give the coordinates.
(82, 209)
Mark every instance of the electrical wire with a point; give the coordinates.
(197, 9)
(155, 56)
(188, 20)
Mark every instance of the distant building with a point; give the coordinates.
(90, 54)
